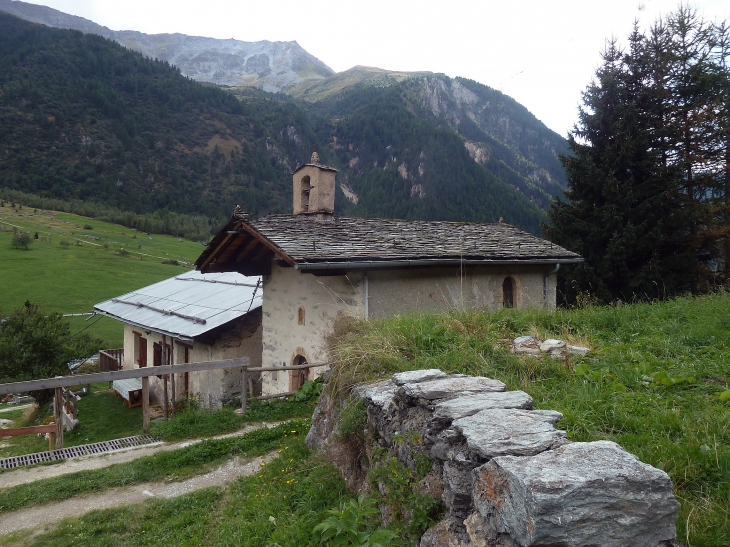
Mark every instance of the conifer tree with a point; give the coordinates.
(648, 184)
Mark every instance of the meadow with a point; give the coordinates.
(77, 262)
(656, 382)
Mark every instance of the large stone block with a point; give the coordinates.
(415, 376)
(467, 405)
(511, 432)
(450, 386)
(581, 494)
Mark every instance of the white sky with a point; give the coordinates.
(542, 53)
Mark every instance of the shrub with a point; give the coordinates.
(88, 227)
(64, 243)
(123, 252)
(171, 262)
(21, 240)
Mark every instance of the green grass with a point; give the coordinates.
(193, 422)
(73, 279)
(294, 490)
(102, 417)
(683, 429)
(173, 465)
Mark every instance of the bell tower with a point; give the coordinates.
(314, 189)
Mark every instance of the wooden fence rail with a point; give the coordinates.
(144, 373)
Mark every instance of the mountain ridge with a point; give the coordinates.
(272, 66)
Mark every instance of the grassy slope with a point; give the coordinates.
(73, 279)
(682, 429)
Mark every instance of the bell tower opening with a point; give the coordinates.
(306, 186)
(314, 189)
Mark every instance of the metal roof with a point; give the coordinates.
(187, 305)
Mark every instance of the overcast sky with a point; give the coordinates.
(541, 52)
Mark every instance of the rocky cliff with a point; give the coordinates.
(271, 66)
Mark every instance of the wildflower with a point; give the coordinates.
(272, 520)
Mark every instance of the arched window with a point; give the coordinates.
(298, 377)
(508, 293)
(300, 316)
(306, 188)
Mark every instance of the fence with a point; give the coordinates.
(61, 382)
(111, 360)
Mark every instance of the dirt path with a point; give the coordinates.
(98, 461)
(14, 408)
(45, 516)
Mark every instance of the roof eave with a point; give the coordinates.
(406, 263)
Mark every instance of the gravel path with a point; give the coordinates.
(14, 408)
(99, 461)
(43, 517)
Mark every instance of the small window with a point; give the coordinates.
(508, 293)
(300, 315)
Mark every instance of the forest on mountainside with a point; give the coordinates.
(96, 129)
(85, 119)
(648, 196)
(400, 165)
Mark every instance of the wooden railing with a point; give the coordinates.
(111, 359)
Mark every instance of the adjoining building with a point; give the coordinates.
(316, 267)
(191, 318)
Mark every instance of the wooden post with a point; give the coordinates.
(51, 441)
(145, 404)
(172, 376)
(57, 412)
(244, 389)
(166, 404)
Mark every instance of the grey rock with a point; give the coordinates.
(457, 478)
(513, 432)
(415, 376)
(469, 404)
(526, 345)
(552, 345)
(380, 394)
(577, 350)
(577, 495)
(450, 386)
(447, 533)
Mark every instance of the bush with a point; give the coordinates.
(21, 240)
(123, 252)
(88, 227)
(64, 243)
(171, 262)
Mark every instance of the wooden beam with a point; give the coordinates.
(58, 417)
(32, 430)
(270, 244)
(244, 391)
(145, 404)
(292, 367)
(98, 377)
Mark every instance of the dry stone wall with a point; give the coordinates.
(506, 475)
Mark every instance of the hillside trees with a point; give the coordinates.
(36, 344)
(648, 194)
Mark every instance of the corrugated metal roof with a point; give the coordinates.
(187, 305)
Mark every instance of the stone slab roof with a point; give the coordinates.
(304, 240)
(308, 240)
